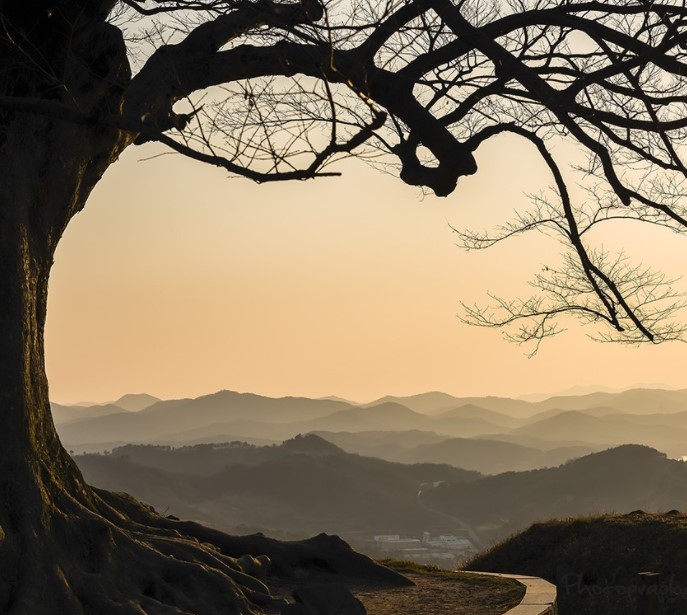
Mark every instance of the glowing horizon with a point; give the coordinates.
(178, 282)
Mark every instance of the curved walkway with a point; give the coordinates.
(539, 598)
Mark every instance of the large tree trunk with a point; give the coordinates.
(41, 188)
(39, 483)
(47, 170)
(65, 547)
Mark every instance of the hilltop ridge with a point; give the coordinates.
(594, 560)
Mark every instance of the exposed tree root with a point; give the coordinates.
(107, 553)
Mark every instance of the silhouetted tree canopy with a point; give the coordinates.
(277, 91)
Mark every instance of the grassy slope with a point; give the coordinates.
(594, 561)
(443, 592)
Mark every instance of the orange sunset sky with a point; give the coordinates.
(179, 281)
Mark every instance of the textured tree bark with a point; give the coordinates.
(62, 52)
(65, 547)
(47, 170)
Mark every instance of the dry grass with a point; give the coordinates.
(441, 592)
(595, 560)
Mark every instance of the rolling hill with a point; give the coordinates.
(490, 456)
(481, 455)
(594, 561)
(66, 414)
(135, 402)
(621, 479)
(426, 403)
(304, 486)
(667, 432)
(471, 411)
(389, 445)
(633, 401)
(230, 405)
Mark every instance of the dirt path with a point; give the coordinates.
(444, 594)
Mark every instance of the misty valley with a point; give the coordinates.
(429, 478)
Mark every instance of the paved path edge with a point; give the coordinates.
(539, 598)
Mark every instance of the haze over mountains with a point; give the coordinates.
(488, 434)
(308, 485)
(621, 479)
(477, 468)
(303, 486)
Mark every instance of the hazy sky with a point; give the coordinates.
(178, 281)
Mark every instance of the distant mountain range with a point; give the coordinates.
(483, 455)
(480, 467)
(557, 429)
(307, 485)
